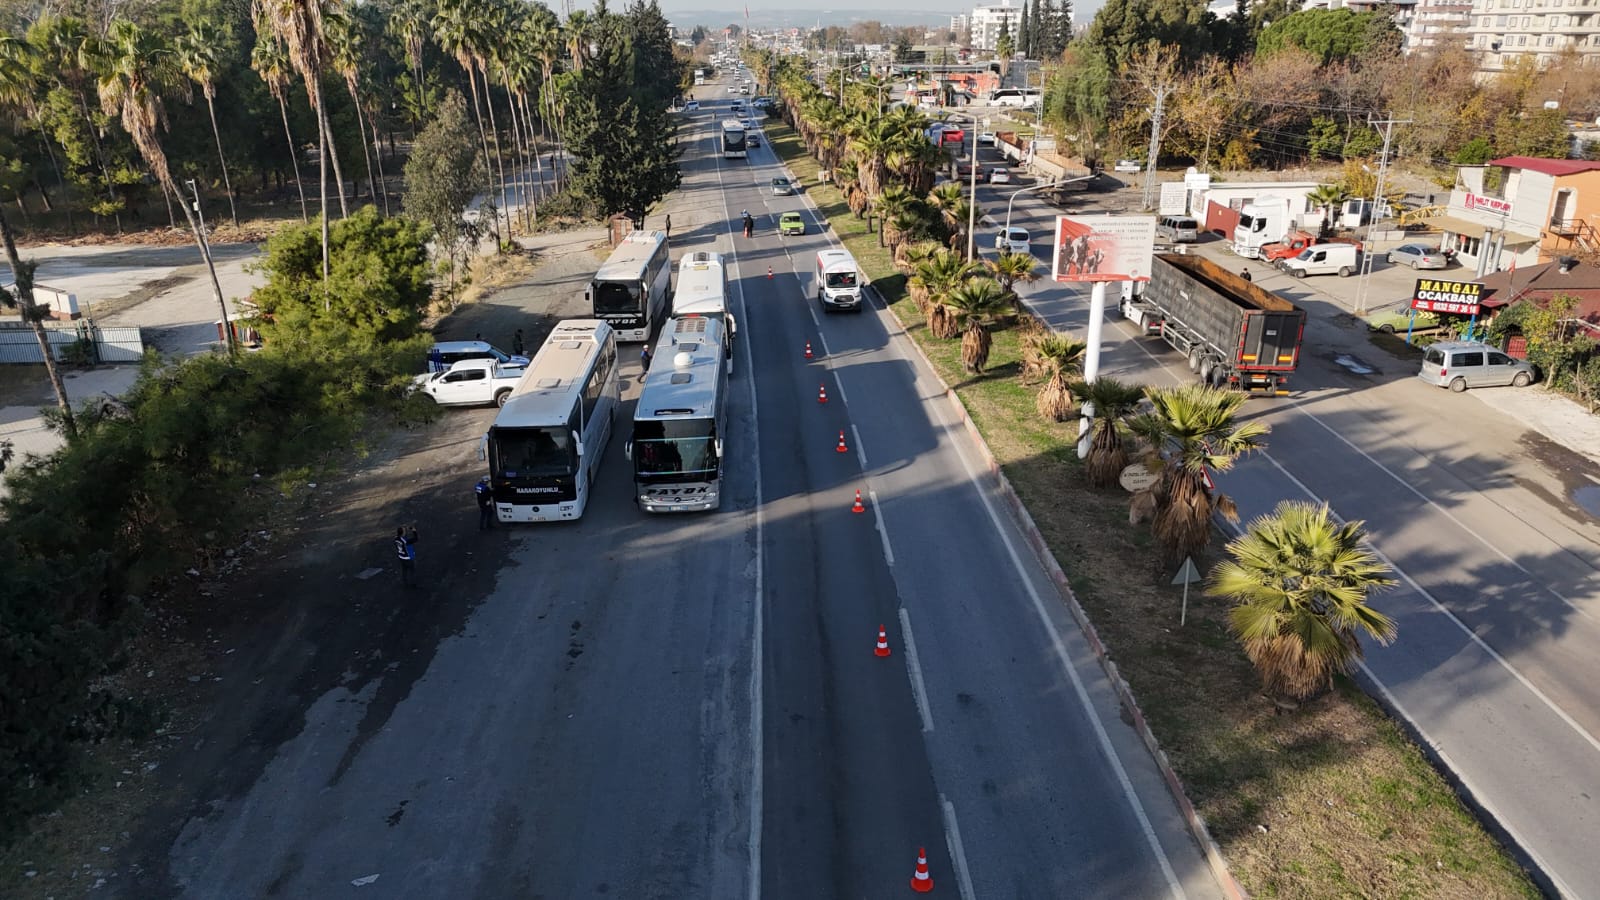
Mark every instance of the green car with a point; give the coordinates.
(1396, 318)
(791, 223)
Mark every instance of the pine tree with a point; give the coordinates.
(1062, 32)
(1025, 34)
(1039, 38)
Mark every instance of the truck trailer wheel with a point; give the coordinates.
(1194, 359)
(1207, 367)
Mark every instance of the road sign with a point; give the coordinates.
(1186, 576)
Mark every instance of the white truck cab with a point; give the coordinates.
(471, 382)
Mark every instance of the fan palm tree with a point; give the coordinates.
(973, 305)
(346, 52)
(936, 276)
(1054, 359)
(1112, 402)
(891, 202)
(409, 21)
(543, 33)
(1190, 430)
(1300, 582)
(1325, 197)
(1011, 268)
(871, 141)
(579, 32)
(272, 64)
(135, 68)
(197, 57)
(455, 27)
(67, 53)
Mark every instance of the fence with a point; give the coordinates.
(101, 345)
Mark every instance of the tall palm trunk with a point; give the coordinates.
(499, 161)
(377, 146)
(366, 151)
(23, 275)
(294, 157)
(517, 159)
(329, 150)
(483, 140)
(227, 183)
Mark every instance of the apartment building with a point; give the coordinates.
(1437, 22)
(986, 23)
(1503, 30)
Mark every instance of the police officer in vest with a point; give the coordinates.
(485, 495)
(405, 548)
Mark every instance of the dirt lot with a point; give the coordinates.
(312, 601)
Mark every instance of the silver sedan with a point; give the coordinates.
(1418, 256)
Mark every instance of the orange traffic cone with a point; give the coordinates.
(883, 642)
(858, 508)
(769, 272)
(921, 881)
(808, 349)
(842, 448)
(822, 393)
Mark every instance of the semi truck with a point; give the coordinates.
(1234, 332)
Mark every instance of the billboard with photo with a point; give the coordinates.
(1442, 296)
(1103, 248)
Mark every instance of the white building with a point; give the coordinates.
(1438, 22)
(1503, 30)
(986, 24)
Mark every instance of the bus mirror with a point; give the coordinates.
(577, 442)
(483, 448)
(627, 450)
(719, 448)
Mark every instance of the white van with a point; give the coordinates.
(1325, 259)
(838, 281)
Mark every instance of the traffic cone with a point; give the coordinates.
(883, 642)
(822, 393)
(769, 273)
(858, 508)
(808, 349)
(842, 448)
(921, 881)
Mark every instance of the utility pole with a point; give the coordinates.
(1377, 210)
(205, 251)
(1160, 90)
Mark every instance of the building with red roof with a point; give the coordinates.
(1522, 210)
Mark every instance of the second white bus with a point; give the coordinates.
(679, 421)
(633, 289)
(733, 142)
(703, 290)
(548, 439)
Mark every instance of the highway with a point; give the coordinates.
(691, 706)
(1498, 606)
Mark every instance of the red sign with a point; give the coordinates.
(1488, 204)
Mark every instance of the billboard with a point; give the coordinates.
(1103, 248)
(1440, 296)
(1174, 199)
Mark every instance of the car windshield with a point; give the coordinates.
(532, 452)
(841, 279)
(1017, 234)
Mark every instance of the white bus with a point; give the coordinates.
(733, 139)
(1015, 97)
(633, 290)
(546, 443)
(703, 290)
(678, 424)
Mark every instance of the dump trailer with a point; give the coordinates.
(1234, 332)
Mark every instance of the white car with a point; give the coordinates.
(1012, 240)
(985, 139)
(692, 106)
(733, 89)
(999, 175)
(1130, 166)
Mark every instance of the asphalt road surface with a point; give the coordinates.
(690, 706)
(1499, 604)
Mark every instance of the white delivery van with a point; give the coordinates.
(838, 281)
(1325, 259)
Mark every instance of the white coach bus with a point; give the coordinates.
(633, 289)
(703, 290)
(546, 444)
(733, 142)
(678, 423)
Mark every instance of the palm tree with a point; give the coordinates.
(409, 21)
(456, 26)
(347, 54)
(935, 277)
(973, 304)
(1054, 359)
(1300, 581)
(543, 32)
(1010, 268)
(891, 202)
(1113, 402)
(272, 64)
(136, 67)
(68, 54)
(579, 33)
(197, 57)
(1190, 430)
(1325, 197)
(871, 141)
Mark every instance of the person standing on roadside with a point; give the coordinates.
(405, 548)
(516, 343)
(485, 495)
(669, 225)
(1245, 274)
(644, 357)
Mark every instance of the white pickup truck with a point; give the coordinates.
(471, 382)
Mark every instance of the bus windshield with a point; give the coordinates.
(841, 279)
(613, 297)
(520, 453)
(681, 447)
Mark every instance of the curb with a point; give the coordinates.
(1041, 551)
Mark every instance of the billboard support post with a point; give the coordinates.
(1091, 363)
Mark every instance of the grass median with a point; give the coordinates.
(1329, 800)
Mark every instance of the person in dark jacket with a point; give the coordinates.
(645, 357)
(1245, 274)
(405, 548)
(485, 495)
(516, 343)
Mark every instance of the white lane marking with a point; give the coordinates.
(958, 855)
(883, 533)
(861, 454)
(914, 669)
(758, 623)
(1492, 547)
(1423, 592)
(1065, 659)
(838, 385)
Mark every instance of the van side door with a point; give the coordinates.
(1469, 364)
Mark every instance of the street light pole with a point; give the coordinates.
(1039, 187)
(205, 252)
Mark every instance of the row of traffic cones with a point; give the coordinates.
(921, 879)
